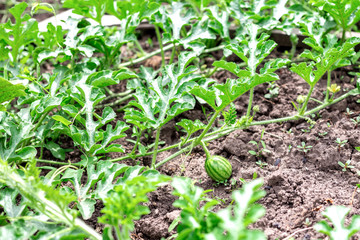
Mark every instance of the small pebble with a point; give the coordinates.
(277, 162)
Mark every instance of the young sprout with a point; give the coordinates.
(340, 143)
(304, 148)
(260, 147)
(356, 121)
(261, 164)
(345, 165)
(307, 222)
(349, 112)
(322, 134)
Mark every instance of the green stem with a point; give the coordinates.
(294, 41)
(38, 71)
(165, 48)
(143, 53)
(53, 162)
(73, 62)
(324, 105)
(315, 100)
(121, 94)
(328, 86)
(6, 76)
(343, 36)
(172, 156)
(37, 126)
(214, 69)
(155, 147)
(118, 232)
(303, 108)
(208, 126)
(57, 235)
(117, 102)
(136, 143)
(250, 102)
(172, 53)
(218, 48)
(41, 150)
(39, 201)
(206, 150)
(158, 35)
(113, 54)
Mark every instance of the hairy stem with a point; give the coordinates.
(208, 126)
(117, 102)
(121, 94)
(155, 147)
(251, 97)
(38, 124)
(140, 48)
(328, 86)
(132, 153)
(303, 108)
(172, 54)
(206, 150)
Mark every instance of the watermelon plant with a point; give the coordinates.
(83, 114)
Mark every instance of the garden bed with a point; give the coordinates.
(307, 159)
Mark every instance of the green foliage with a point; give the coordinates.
(230, 115)
(162, 98)
(90, 9)
(337, 214)
(346, 13)
(122, 206)
(221, 95)
(252, 50)
(230, 223)
(44, 198)
(264, 13)
(273, 91)
(313, 71)
(341, 143)
(304, 148)
(18, 35)
(190, 127)
(345, 166)
(102, 178)
(9, 91)
(58, 87)
(195, 221)
(87, 94)
(13, 134)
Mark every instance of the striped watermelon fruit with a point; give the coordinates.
(218, 168)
